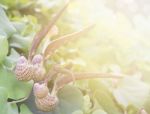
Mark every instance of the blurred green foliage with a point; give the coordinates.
(118, 43)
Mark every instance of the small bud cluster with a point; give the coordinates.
(33, 70)
(43, 99)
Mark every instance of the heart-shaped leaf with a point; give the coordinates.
(104, 97)
(20, 42)
(6, 26)
(5, 107)
(16, 89)
(70, 100)
(131, 90)
(3, 47)
(10, 61)
(24, 109)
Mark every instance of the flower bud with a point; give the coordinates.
(47, 103)
(22, 60)
(23, 70)
(40, 90)
(37, 59)
(39, 73)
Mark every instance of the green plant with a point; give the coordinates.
(55, 86)
(33, 68)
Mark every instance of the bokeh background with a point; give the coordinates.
(119, 43)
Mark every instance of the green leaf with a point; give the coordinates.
(12, 109)
(16, 89)
(132, 90)
(7, 2)
(19, 26)
(132, 110)
(3, 101)
(6, 26)
(87, 104)
(78, 112)
(10, 61)
(20, 42)
(3, 48)
(104, 97)
(15, 3)
(70, 100)
(24, 109)
(5, 107)
(99, 111)
(147, 105)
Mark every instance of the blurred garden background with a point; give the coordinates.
(119, 43)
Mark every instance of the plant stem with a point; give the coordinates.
(55, 44)
(23, 99)
(83, 76)
(18, 101)
(44, 30)
(55, 70)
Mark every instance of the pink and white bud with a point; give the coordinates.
(40, 90)
(37, 59)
